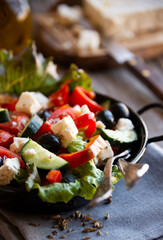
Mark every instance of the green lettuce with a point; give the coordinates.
(88, 178)
(27, 71)
(76, 145)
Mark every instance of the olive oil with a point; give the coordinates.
(15, 24)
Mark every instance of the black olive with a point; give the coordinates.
(44, 115)
(120, 110)
(106, 117)
(50, 142)
(68, 177)
(1, 161)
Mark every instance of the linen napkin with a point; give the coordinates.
(135, 215)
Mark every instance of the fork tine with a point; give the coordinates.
(132, 172)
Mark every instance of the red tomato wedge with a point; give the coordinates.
(78, 97)
(54, 176)
(45, 128)
(5, 138)
(4, 152)
(17, 123)
(61, 97)
(87, 120)
(89, 152)
(61, 113)
(10, 106)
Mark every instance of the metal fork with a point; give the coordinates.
(131, 172)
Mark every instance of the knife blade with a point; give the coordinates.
(135, 64)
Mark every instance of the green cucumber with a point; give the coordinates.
(32, 152)
(119, 139)
(32, 126)
(4, 115)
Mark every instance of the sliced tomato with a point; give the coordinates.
(8, 99)
(45, 128)
(89, 94)
(5, 153)
(78, 97)
(61, 113)
(5, 138)
(89, 152)
(87, 121)
(10, 106)
(17, 123)
(54, 176)
(61, 97)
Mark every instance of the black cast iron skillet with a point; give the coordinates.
(19, 200)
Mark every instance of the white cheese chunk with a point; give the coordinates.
(28, 103)
(8, 170)
(84, 109)
(31, 102)
(66, 130)
(68, 15)
(124, 124)
(100, 125)
(106, 153)
(17, 144)
(88, 40)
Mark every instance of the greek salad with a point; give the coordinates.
(56, 144)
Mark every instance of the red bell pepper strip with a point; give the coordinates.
(89, 152)
(45, 128)
(54, 176)
(87, 120)
(61, 97)
(5, 138)
(78, 97)
(5, 153)
(17, 123)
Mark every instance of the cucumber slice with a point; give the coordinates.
(4, 115)
(32, 152)
(119, 139)
(32, 127)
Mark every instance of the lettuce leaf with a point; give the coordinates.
(79, 76)
(76, 145)
(27, 71)
(88, 178)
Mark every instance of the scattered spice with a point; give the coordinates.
(99, 233)
(96, 224)
(50, 236)
(63, 236)
(55, 217)
(70, 230)
(84, 224)
(87, 238)
(107, 216)
(54, 232)
(100, 227)
(34, 224)
(89, 229)
(77, 214)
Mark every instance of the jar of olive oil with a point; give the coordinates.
(15, 24)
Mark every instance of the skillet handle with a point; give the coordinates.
(146, 108)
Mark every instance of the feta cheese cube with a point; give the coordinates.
(88, 40)
(84, 110)
(17, 144)
(28, 103)
(68, 15)
(66, 130)
(31, 102)
(100, 125)
(124, 124)
(8, 170)
(106, 153)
